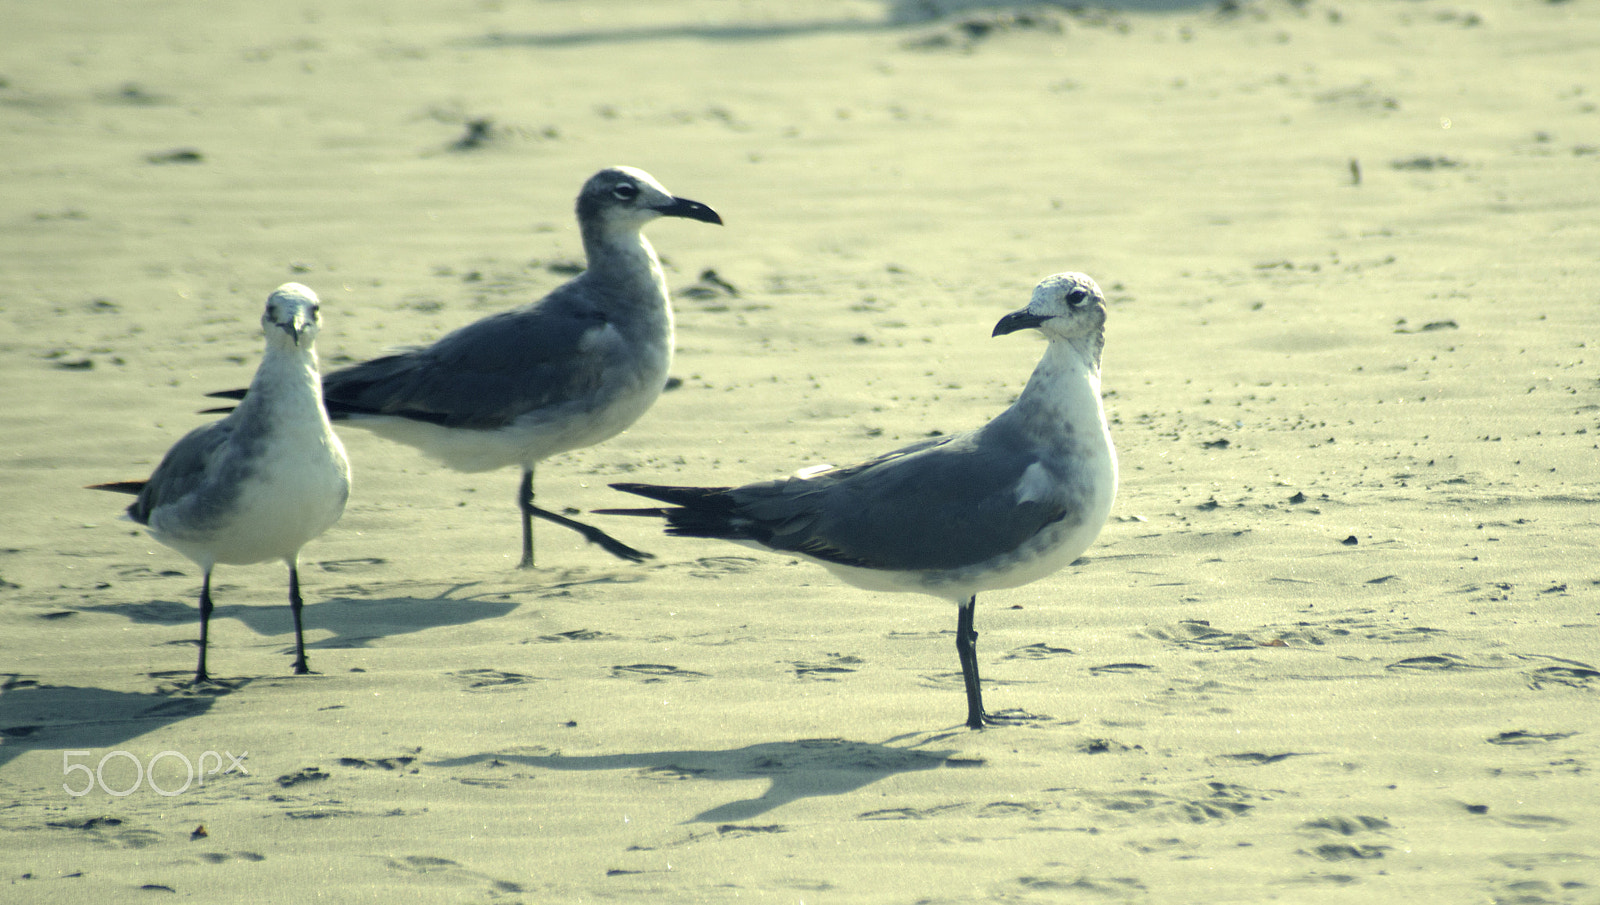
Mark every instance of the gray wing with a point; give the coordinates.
(183, 469)
(485, 374)
(939, 504)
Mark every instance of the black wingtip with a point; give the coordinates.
(227, 394)
(677, 496)
(129, 487)
(648, 513)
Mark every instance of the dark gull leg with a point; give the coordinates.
(595, 536)
(295, 603)
(590, 533)
(200, 674)
(967, 650)
(526, 507)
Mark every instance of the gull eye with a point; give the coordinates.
(1076, 298)
(625, 191)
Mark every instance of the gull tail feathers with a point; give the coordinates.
(696, 511)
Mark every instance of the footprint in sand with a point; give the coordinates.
(1099, 887)
(653, 672)
(737, 830)
(1435, 662)
(1003, 809)
(1343, 851)
(1258, 759)
(110, 832)
(1198, 634)
(1223, 801)
(379, 763)
(1106, 746)
(717, 567)
(480, 680)
(825, 671)
(225, 857)
(303, 775)
(1348, 835)
(1568, 673)
(358, 564)
(1345, 826)
(1118, 669)
(1038, 651)
(909, 813)
(145, 573)
(1524, 737)
(581, 634)
(1567, 676)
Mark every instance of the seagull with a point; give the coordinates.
(949, 516)
(260, 483)
(568, 371)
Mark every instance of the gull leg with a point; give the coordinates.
(526, 507)
(200, 674)
(967, 650)
(595, 536)
(590, 533)
(295, 603)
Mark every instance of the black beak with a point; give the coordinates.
(692, 210)
(1017, 320)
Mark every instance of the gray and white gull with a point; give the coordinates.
(950, 516)
(570, 370)
(260, 483)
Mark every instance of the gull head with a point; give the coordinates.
(628, 198)
(293, 312)
(1066, 306)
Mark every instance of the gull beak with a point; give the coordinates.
(1017, 320)
(692, 210)
(297, 326)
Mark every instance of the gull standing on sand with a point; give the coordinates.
(951, 516)
(260, 483)
(568, 371)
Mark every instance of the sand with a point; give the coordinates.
(1337, 644)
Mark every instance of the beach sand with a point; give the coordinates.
(1340, 641)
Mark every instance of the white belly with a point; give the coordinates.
(297, 492)
(527, 440)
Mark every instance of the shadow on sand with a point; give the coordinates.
(899, 14)
(800, 769)
(354, 622)
(35, 716)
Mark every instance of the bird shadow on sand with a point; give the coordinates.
(36, 716)
(898, 14)
(355, 622)
(806, 768)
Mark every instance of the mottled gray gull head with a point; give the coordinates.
(294, 310)
(1064, 306)
(628, 196)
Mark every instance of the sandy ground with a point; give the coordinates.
(1338, 643)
